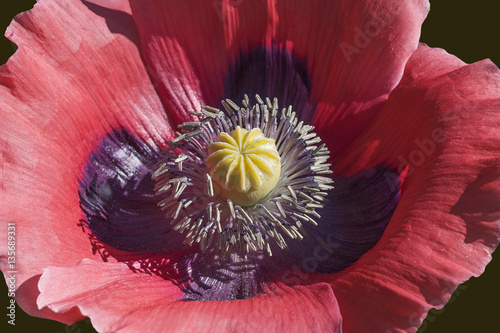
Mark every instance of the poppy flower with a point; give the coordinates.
(349, 180)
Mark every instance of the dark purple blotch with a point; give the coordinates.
(352, 221)
(271, 72)
(116, 195)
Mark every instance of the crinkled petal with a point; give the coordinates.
(185, 49)
(120, 300)
(355, 51)
(190, 45)
(444, 120)
(108, 293)
(71, 81)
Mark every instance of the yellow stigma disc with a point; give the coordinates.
(244, 166)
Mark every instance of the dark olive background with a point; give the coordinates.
(468, 29)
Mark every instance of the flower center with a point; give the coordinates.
(244, 165)
(246, 179)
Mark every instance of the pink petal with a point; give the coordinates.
(441, 127)
(189, 45)
(70, 82)
(118, 300)
(356, 52)
(105, 292)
